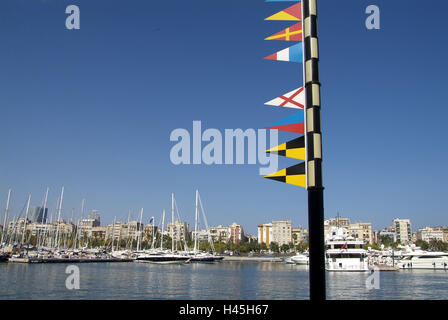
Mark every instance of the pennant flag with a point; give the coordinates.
(293, 99)
(294, 123)
(293, 13)
(291, 54)
(293, 33)
(293, 175)
(292, 149)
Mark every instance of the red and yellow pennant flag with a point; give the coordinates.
(293, 33)
(293, 13)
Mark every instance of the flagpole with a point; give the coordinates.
(314, 152)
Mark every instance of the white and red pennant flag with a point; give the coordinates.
(293, 99)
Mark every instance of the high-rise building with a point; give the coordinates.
(94, 215)
(403, 232)
(37, 214)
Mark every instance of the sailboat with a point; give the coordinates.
(163, 257)
(196, 255)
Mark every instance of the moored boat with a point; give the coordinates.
(424, 260)
(344, 253)
(166, 258)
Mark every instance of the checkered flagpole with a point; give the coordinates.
(314, 152)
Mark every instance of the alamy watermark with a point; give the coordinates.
(227, 148)
(373, 20)
(72, 281)
(73, 21)
(373, 280)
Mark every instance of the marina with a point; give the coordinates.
(157, 262)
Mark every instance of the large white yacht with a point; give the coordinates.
(344, 253)
(300, 258)
(419, 259)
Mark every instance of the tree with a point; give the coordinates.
(387, 241)
(220, 247)
(422, 244)
(294, 237)
(374, 246)
(284, 248)
(274, 247)
(437, 245)
(302, 246)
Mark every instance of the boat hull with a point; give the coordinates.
(161, 259)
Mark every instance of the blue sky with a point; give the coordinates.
(93, 109)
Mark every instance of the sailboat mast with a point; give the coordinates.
(172, 222)
(113, 235)
(152, 245)
(59, 218)
(66, 231)
(119, 235)
(83, 203)
(43, 221)
(210, 239)
(139, 239)
(6, 215)
(196, 224)
(26, 218)
(161, 235)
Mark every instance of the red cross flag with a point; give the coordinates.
(293, 99)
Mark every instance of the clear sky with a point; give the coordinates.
(93, 109)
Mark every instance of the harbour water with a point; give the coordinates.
(223, 280)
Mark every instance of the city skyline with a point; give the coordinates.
(76, 216)
(93, 109)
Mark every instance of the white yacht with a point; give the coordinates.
(420, 259)
(344, 253)
(300, 258)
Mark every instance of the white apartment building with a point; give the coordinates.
(120, 230)
(219, 233)
(279, 232)
(403, 232)
(265, 233)
(433, 233)
(178, 231)
(362, 231)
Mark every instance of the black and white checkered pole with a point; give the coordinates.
(314, 152)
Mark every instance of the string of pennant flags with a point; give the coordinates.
(295, 99)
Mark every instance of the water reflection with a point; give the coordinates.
(223, 280)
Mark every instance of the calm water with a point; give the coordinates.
(224, 280)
